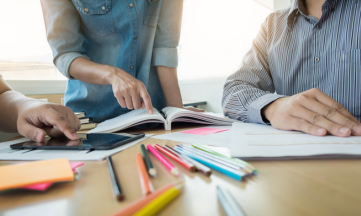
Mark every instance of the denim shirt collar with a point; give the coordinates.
(298, 7)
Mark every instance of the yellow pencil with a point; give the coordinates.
(160, 202)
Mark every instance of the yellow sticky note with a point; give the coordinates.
(45, 171)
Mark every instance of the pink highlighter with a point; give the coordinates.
(173, 169)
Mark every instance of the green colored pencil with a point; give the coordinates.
(151, 170)
(241, 162)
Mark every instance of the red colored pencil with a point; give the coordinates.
(186, 165)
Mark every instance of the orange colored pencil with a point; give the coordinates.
(139, 204)
(144, 178)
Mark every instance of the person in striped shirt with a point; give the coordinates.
(303, 71)
(33, 118)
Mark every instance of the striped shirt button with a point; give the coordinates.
(317, 59)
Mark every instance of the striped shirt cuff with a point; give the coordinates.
(165, 57)
(254, 109)
(63, 62)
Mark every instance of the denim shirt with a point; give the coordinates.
(133, 35)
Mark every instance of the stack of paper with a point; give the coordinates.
(261, 142)
(38, 175)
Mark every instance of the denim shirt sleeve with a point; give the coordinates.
(167, 34)
(251, 88)
(62, 24)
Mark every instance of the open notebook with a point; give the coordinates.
(263, 142)
(165, 116)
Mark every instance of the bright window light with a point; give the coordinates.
(215, 36)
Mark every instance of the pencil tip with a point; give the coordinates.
(175, 171)
(153, 172)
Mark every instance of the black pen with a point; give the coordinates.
(115, 182)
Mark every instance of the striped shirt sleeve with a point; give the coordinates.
(251, 88)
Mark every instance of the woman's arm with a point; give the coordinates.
(32, 118)
(169, 82)
(127, 89)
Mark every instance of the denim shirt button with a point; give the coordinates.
(86, 10)
(131, 5)
(135, 37)
(103, 8)
(131, 67)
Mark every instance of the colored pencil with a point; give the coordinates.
(224, 158)
(228, 203)
(200, 167)
(115, 181)
(151, 170)
(188, 166)
(135, 206)
(147, 186)
(236, 174)
(230, 164)
(173, 169)
(211, 151)
(159, 203)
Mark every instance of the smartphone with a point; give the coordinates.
(95, 141)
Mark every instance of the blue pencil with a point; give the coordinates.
(238, 175)
(217, 159)
(228, 203)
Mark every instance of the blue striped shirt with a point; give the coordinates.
(295, 52)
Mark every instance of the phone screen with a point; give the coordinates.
(86, 141)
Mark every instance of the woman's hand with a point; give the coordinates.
(130, 92)
(127, 90)
(35, 118)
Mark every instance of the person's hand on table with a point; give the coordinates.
(312, 112)
(37, 118)
(190, 108)
(130, 92)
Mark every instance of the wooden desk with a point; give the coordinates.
(302, 187)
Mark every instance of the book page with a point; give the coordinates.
(175, 114)
(255, 140)
(130, 119)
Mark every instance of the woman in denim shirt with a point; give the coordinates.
(119, 55)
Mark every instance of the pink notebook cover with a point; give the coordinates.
(44, 186)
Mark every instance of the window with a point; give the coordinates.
(25, 53)
(215, 37)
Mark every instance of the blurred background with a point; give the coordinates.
(215, 37)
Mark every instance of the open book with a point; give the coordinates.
(165, 116)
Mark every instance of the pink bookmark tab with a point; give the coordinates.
(44, 186)
(203, 131)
